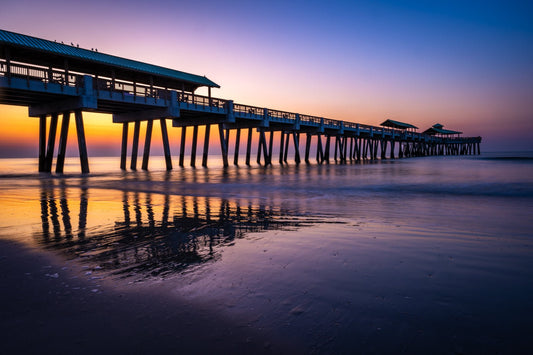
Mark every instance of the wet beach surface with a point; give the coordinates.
(49, 307)
(411, 256)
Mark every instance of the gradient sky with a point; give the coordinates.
(467, 65)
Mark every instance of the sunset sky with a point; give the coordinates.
(465, 64)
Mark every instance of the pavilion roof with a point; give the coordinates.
(43, 52)
(437, 129)
(398, 124)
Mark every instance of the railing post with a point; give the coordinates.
(265, 122)
(8, 65)
(66, 72)
(230, 117)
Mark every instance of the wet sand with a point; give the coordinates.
(46, 306)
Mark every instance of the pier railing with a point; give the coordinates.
(202, 101)
(310, 120)
(248, 111)
(144, 91)
(282, 116)
(42, 74)
(109, 86)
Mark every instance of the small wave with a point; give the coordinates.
(516, 158)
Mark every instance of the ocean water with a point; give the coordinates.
(419, 255)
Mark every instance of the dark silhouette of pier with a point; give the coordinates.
(56, 80)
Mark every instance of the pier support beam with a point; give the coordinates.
(206, 145)
(124, 147)
(237, 144)
(51, 143)
(286, 149)
(223, 144)
(166, 145)
(319, 150)
(281, 146)
(270, 147)
(307, 147)
(259, 147)
(82, 144)
(296, 139)
(147, 143)
(326, 150)
(135, 145)
(60, 163)
(351, 148)
(182, 145)
(42, 143)
(249, 145)
(262, 148)
(336, 148)
(194, 145)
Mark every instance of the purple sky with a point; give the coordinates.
(467, 65)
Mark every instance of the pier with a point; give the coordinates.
(56, 80)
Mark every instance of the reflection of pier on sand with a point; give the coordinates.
(154, 234)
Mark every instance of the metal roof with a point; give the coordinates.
(70, 51)
(437, 129)
(398, 124)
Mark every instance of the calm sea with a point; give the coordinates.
(425, 255)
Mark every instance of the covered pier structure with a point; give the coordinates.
(54, 79)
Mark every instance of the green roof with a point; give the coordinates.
(398, 124)
(24, 42)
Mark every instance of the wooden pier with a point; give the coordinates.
(56, 80)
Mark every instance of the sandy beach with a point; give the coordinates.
(49, 307)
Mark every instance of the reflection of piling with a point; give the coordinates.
(55, 211)
(152, 236)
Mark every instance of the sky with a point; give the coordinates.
(466, 65)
